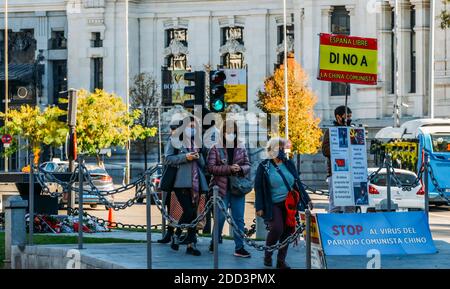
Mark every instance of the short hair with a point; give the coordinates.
(274, 145)
(340, 110)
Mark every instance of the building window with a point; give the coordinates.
(177, 62)
(233, 37)
(413, 52)
(280, 40)
(97, 73)
(180, 35)
(58, 40)
(340, 24)
(59, 78)
(96, 40)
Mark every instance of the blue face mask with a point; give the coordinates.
(281, 155)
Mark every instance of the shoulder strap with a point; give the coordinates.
(221, 154)
(282, 175)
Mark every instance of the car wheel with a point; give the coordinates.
(93, 206)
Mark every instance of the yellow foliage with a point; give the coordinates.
(304, 131)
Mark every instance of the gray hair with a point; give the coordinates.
(274, 145)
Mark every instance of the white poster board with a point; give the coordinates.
(349, 166)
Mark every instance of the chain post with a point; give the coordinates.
(426, 184)
(308, 238)
(149, 222)
(216, 227)
(31, 202)
(80, 202)
(388, 176)
(163, 220)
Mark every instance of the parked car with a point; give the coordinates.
(154, 182)
(413, 199)
(100, 179)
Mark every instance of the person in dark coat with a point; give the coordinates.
(225, 161)
(271, 194)
(190, 179)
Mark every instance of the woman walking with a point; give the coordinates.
(229, 158)
(190, 180)
(277, 186)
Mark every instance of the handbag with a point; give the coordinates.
(168, 177)
(291, 202)
(239, 185)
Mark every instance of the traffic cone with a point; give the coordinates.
(110, 218)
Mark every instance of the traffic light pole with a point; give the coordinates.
(72, 121)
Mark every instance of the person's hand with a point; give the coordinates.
(260, 213)
(235, 168)
(191, 156)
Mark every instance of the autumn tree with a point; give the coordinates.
(103, 122)
(445, 16)
(36, 126)
(304, 131)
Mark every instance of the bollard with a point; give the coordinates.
(149, 221)
(308, 238)
(80, 202)
(427, 187)
(163, 220)
(15, 226)
(388, 177)
(216, 227)
(31, 204)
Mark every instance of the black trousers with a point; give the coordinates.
(189, 212)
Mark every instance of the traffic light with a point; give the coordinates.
(197, 90)
(63, 103)
(217, 91)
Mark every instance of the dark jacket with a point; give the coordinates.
(220, 169)
(263, 199)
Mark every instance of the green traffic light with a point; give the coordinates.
(218, 105)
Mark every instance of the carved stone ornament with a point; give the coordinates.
(232, 46)
(175, 48)
(290, 45)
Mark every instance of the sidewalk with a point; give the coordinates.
(133, 256)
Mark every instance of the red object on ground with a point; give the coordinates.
(85, 229)
(110, 218)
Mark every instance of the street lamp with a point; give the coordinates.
(286, 93)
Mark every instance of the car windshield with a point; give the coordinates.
(441, 143)
(405, 179)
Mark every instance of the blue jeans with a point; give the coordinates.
(237, 205)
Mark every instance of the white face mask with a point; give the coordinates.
(230, 136)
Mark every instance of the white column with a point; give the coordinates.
(384, 55)
(422, 29)
(325, 87)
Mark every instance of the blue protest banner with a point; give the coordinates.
(390, 233)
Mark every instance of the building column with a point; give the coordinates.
(325, 88)
(41, 36)
(422, 29)
(384, 55)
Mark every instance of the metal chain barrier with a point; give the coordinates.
(407, 187)
(113, 225)
(440, 190)
(173, 222)
(252, 243)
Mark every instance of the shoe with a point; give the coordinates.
(166, 239)
(211, 248)
(174, 245)
(242, 253)
(192, 250)
(268, 261)
(282, 265)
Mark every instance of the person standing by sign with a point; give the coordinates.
(341, 120)
(279, 197)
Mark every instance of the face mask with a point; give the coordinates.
(349, 122)
(281, 155)
(230, 136)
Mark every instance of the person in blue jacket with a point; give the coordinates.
(273, 177)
